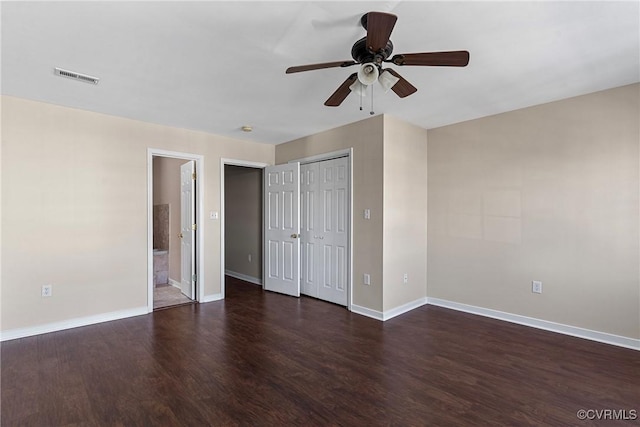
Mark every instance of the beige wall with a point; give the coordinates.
(405, 213)
(545, 193)
(74, 208)
(166, 190)
(390, 178)
(366, 139)
(243, 220)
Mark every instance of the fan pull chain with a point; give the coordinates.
(360, 100)
(371, 112)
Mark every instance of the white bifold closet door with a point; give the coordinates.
(282, 222)
(324, 233)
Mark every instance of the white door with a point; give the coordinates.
(282, 228)
(308, 229)
(187, 229)
(333, 232)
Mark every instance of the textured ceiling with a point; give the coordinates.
(215, 66)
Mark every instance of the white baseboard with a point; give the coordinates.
(364, 311)
(573, 331)
(244, 277)
(211, 298)
(13, 334)
(389, 314)
(404, 308)
(175, 283)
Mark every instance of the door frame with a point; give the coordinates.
(247, 164)
(199, 242)
(347, 152)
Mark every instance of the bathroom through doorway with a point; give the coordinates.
(174, 242)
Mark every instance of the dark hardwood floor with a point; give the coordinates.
(259, 358)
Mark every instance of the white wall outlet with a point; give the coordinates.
(213, 215)
(249, 257)
(405, 278)
(536, 287)
(367, 279)
(367, 214)
(47, 290)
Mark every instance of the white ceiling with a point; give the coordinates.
(215, 66)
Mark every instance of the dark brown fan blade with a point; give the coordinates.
(342, 92)
(458, 58)
(319, 66)
(379, 27)
(402, 88)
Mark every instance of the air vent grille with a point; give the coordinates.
(76, 76)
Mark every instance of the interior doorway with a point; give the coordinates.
(241, 221)
(174, 212)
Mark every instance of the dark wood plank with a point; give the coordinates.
(260, 358)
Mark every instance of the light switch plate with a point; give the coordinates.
(536, 287)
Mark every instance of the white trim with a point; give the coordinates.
(200, 170)
(546, 325)
(212, 298)
(389, 314)
(233, 162)
(350, 265)
(245, 163)
(364, 311)
(347, 152)
(245, 277)
(404, 308)
(175, 283)
(13, 334)
(324, 156)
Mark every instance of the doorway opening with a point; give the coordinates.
(174, 241)
(241, 239)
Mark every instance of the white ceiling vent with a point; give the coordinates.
(76, 76)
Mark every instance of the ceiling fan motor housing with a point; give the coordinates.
(362, 55)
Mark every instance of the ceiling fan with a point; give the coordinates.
(371, 51)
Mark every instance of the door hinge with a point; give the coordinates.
(194, 226)
(194, 278)
(194, 176)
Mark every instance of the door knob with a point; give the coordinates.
(295, 236)
(180, 235)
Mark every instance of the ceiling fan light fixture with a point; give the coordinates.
(358, 88)
(387, 80)
(368, 73)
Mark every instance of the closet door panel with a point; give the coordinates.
(334, 185)
(308, 229)
(282, 226)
